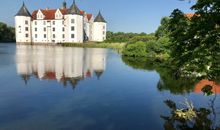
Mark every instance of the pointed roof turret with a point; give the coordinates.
(23, 11)
(64, 4)
(73, 9)
(99, 73)
(99, 18)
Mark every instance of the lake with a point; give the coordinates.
(58, 88)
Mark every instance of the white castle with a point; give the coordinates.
(64, 25)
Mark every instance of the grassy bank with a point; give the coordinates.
(96, 45)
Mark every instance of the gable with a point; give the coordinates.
(40, 15)
(58, 14)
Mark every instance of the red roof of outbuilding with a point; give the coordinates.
(189, 15)
(203, 83)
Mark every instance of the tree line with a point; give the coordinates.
(7, 33)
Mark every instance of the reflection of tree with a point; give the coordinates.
(201, 121)
(140, 63)
(176, 85)
(169, 79)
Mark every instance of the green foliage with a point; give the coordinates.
(135, 50)
(156, 49)
(162, 30)
(121, 37)
(96, 45)
(142, 38)
(155, 46)
(7, 34)
(207, 90)
(195, 44)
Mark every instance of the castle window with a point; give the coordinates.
(63, 29)
(72, 35)
(35, 29)
(54, 29)
(26, 35)
(72, 20)
(45, 36)
(103, 32)
(26, 28)
(35, 35)
(103, 27)
(35, 22)
(44, 22)
(45, 29)
(72, 28)
(63, 36)
(26, 22)
(40, 16)
(53, 22)
(54, 36)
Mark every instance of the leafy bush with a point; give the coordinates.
(7, 34)
(151, 49)
(137, 49)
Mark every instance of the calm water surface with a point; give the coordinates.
(43, 88)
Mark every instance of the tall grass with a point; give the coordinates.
(96, 45)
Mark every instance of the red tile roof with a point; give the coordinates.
(89, 16)
(189, 15)
(50, 14)
(82, 12)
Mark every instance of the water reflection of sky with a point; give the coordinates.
(122, 98)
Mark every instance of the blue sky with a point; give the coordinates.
(121, 15)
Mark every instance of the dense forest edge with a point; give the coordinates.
(7, 33)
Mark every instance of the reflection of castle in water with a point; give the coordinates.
(59, 63)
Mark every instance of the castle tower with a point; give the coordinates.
(23, 25)
(99, 28)
(74, 24)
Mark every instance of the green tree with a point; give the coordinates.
(163, 30)
(7, 34)
(195, 41)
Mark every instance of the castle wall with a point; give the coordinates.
(99, 31)
(74, 35)
(23, 29)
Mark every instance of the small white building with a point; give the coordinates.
(64, 25)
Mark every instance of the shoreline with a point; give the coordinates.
(83, 45)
